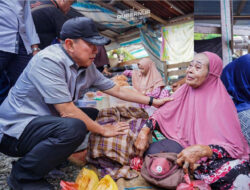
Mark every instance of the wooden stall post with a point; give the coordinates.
(166, 73)
(226, 31)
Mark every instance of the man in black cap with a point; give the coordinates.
(39, 121)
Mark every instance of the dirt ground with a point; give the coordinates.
(68, 172)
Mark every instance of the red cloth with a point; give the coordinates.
(136, 163)
(192, 185)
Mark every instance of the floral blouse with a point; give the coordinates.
(221, 170)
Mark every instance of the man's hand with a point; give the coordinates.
(188, 157)
(159, 102)
(114, 130)
(142, 141)
(69, 110)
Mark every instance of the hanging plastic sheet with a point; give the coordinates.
(103, 15)
(178, 43)
(152, 45)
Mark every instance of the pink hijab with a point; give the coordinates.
(147, 83)
(205, 115)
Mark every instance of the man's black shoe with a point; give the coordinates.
(29, 185)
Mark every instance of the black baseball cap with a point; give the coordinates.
(84, 28)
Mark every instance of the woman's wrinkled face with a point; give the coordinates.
(197, 70)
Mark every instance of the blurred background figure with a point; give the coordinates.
(49, 16)
(148, 81)
(236, 78)
(178, 84)
(18, 40)
(102, 61)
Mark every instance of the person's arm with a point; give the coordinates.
(30, 29)
(142, 140)
(71, 111)
(134, 96)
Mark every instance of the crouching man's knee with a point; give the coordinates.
(74, 129)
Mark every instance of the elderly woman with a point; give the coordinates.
(147, 80)
(236, 78)
(201, 124)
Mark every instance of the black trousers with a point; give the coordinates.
(46, 142)
(165, 145)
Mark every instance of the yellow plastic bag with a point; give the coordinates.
(106, 183)
(87, 180)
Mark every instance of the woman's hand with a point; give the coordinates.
(106, 72)
(120, 128)
(142, 141)
(159, 102)
(188, 157)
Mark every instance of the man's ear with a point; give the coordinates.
(69, 43)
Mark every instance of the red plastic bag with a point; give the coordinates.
(193, 185)
(136, 163)
(68, 185)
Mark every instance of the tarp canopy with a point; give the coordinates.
(128, 22)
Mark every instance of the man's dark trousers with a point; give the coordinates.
(46, 142)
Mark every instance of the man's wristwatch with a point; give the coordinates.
(151, 101)
(35, 49)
